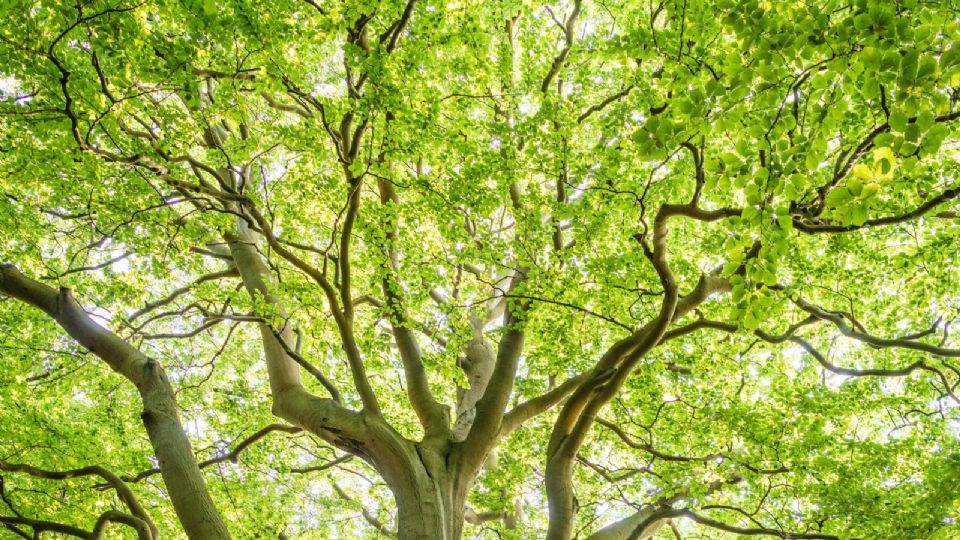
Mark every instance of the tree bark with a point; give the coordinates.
(629, 527)
(429, 511)
(430, 501)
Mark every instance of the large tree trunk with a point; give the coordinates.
(430, 511)
(430, 497)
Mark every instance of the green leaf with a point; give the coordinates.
(839, 197)
(925, 120)
(912, 133)
(898, 121)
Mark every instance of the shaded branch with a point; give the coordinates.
(686, 513)
(904, 343)
(150, 306)
(231, 456)
(562, 56)
(368, 516)
(430, 412)
(789, 335)
(245, 249)
(923, 209)
(603, 104)
(122, 489)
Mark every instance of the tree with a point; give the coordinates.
(602, 270)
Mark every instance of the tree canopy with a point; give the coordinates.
(432, 269)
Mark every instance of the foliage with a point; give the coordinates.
(562, 173)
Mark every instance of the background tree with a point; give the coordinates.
(434, 269)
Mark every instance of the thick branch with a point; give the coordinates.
(188, 491)
(611, 371)
(492, 405)
(40, 526)
(431, 414)
(538, 405)
(344, 325)
(568, 39)
(99, 529)
(291, 401)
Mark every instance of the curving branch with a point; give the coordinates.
(231, 456)
(813, 227)
(568, 44)
(492, 405)
(205, 325)
(837, 319)
(391, 37)
(253, 270)
(536, 406)
(901, 372)
(324, 417)
(285, 107)
(603, 104)
(144, 532)
(581, 409)
(306, 365)
(112, 516)
(92, 267)
(123, 490)
(672, 513)
(368, 516)
(42, 526)
(612, 369)
(213, 276)
(645, 522)
(656, 454)
(846, 161)
(433, 416)
(818, 314)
